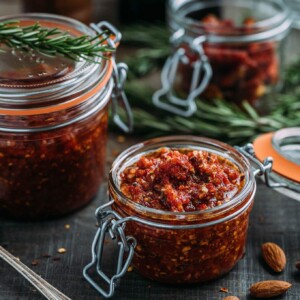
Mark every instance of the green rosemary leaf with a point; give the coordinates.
(52, 42)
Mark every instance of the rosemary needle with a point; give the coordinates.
(52, 42)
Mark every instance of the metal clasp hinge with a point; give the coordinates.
(119, 98)
(108, 225)
(261, 168)
(201, 75)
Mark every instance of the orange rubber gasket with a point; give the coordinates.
(263, 148)
(61, 106)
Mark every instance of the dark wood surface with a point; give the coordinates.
(274, 218)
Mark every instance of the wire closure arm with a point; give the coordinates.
(261, 168)
(202, 73)
(119, 98)
(107, 220)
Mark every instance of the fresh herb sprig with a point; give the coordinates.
(153, 48)
(53, 41)
(217, 119)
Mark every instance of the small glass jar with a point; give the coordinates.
(183, 247)
(53, 125)
(230, 50)
(174, 247)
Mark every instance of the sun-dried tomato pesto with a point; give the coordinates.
(48, 174)
(53, 128)
(202, 193)
(181, 180)
(241, 70)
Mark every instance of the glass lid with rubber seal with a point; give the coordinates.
(284, 146)
(24, 68)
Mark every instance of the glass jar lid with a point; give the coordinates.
(32, 81)
(27, 68)
(284, 146)
(294, 6)
(272, 19)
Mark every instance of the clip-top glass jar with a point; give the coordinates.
(190, 245)
(230, 50)
(53, 123)
(175, 247)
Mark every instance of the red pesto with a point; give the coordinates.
(180, 247)
(241, 71)
(51, 172)
(181, 180)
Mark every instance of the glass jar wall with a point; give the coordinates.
(53, 127)
(243, 41)
(185, 247)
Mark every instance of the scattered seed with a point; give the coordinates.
(121, 139)
(223, 290)
(115, 153)
(130, 268)
(298, 264)
(35, 262)
(61, 250)
(67, 226)
(56, 258)
(261, 219)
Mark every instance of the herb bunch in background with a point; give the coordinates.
(217, 119)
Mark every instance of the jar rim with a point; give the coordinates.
(90, 77)
(132, 153)
(276, 25)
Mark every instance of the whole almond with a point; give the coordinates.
(269, 288)
(274, 256)
(231, 298)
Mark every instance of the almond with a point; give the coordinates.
(298, 265)
(231, 298)
(269, 288)
(274, 256)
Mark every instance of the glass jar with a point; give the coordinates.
(293, 44)
(174, 247)
(53, 124)
(230, 50)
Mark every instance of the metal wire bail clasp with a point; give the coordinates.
(261, 168)
(119, 98)
(109, 226)
(201, 75)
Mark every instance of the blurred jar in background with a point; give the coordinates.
(293, 41)
(231, 50)
(77, 9)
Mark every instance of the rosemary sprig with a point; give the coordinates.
(51, 42)
(153, 48)
(217, 119)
